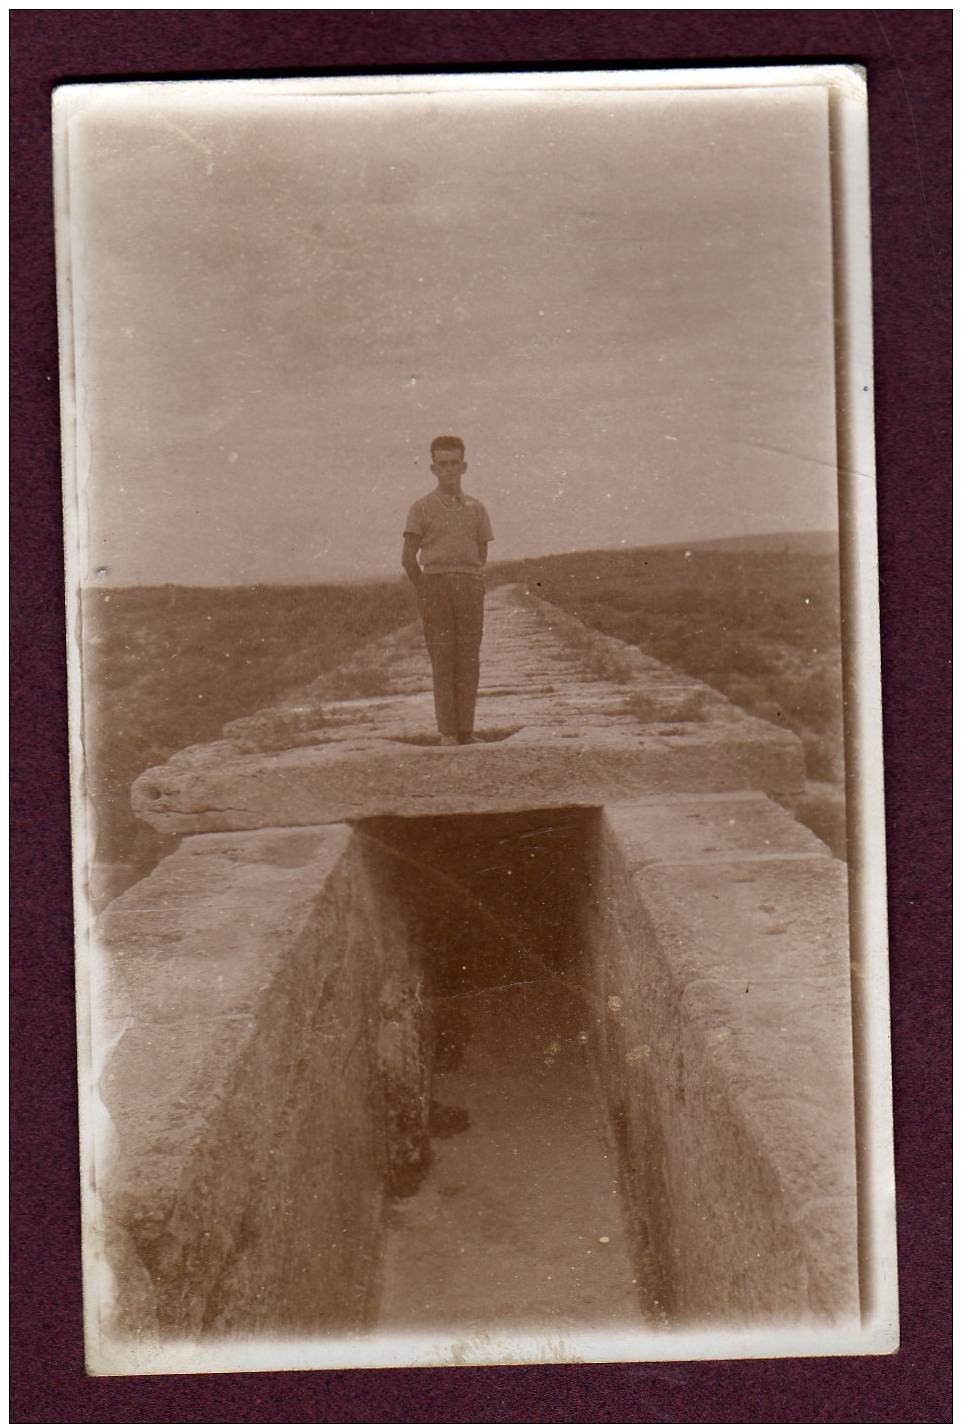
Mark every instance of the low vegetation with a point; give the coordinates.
(757, 619)
(166, 667)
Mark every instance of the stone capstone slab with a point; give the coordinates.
(566, 717)
(264, 1083)
(221, 790)
(721, 979)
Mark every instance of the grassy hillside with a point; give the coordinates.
(166, 667)
(758, 619)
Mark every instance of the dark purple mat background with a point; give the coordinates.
(907, 54)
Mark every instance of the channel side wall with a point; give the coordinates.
(717, 956)
(265, 1086)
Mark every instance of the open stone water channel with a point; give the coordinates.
(516, 1219)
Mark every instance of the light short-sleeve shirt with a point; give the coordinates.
(450, 530)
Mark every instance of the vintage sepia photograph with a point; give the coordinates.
(475, 730)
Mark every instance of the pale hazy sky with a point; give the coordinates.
(621, 301)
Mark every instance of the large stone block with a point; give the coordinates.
(719, 967)
(264, 1085)
(219, 788)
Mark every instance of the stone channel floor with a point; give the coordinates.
(518, 1221)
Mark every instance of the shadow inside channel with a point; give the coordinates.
(517, 1219)
(494, 903)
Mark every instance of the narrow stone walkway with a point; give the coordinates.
(518, 1221)
(565, 716)
(539, 667)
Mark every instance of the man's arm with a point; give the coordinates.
(485, 534)
(409, 557)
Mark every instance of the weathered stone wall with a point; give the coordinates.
(266, 1084)
(717, 956)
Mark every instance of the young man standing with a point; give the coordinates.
(452, 532)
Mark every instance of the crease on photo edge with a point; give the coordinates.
(849, 99)
(97, 1276)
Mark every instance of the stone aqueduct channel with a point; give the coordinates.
(552, 1029)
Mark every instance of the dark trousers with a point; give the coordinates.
(452, 611)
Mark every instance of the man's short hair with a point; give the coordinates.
(447, 442)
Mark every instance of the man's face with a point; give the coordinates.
(448, 465)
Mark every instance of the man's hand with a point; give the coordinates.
(409, 558)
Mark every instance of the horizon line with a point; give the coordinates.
(357, 580)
